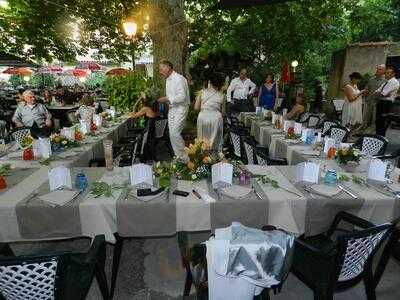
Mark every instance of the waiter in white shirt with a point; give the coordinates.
(178, 98)
(238, 92)
(387, 93)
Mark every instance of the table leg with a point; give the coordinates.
(116, 261)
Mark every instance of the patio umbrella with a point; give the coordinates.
(18, 71)
(50, 70)
(91, 65)
(117, 71)
(77, 72)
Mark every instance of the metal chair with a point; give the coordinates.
(249, 146)
(19, 134)
(303, 118)
(372, 144)
(263, 159)
(339, 133)
(60, 276)
(236, 143)
(327, 264)
(326, 125)
(313, 121)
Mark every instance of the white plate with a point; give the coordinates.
(236, 191)
(326, 190)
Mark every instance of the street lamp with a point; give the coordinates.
(295, 63)
(130, 28)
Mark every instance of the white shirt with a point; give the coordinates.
(177, 90)
(389, 89)
(241, 89)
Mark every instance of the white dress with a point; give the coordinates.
(209, 120)
(352, 111)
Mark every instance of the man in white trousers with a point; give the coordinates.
(178, 98)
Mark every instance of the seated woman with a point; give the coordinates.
(148, 110)
(87, 109)
(298, 108)
(47, 96)
(209, 121)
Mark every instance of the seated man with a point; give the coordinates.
(31, 112)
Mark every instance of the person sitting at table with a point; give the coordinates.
(47, 96)
(149, 111)
(30, 112)
(87, 109)
(297, 109)
(64, 96)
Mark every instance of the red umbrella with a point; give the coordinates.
(91, 65)
(77, 72)
(50, 70)
(18, 71)
(117, 71)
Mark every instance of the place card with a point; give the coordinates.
(140, 174)
(98, 120)
(222, 173)
(297, 128)
(44, 147)
(329, 142)
(307, 172)
(287, 124)
(59, 177)
(377, 170)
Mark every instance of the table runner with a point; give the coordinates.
(15, 176)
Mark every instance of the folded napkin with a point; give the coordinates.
(59, 197)
(204, 195)
(310, 152)
(326, 190)
(236, 191)
(16, 154)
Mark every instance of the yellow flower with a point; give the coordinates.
(205, 146)
(190, 165)
(206, 160)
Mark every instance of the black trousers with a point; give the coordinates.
(383, 107)
(241, 105)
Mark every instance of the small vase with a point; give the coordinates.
(3, 183)
(27, 154)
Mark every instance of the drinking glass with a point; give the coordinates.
(108, 154)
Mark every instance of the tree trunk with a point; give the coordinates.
(168, 31)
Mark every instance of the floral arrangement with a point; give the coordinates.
(61, 141)
(201, 158)
(106, 116)
(344, 156)
(27, 142)
(291, 135)
(5, 169)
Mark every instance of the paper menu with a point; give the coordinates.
(297, 128)
(307, 172)
(222, 173)
(377, 170)
(59, 177)
(329, 142)
(141, 174)
(287, 124)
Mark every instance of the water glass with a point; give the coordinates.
(81, 181)
(108, 154)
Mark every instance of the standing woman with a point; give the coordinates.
(209, 121)
(268, 93)
(352, 108)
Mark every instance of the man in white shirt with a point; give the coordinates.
(178, 98)
(387, 93)
(238, 91)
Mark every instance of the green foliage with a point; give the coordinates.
(15, 80)
(42, 80)
(95, 78)
(124, 91)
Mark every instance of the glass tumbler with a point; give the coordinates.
(108, 154)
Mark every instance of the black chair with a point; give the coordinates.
(313, 121)
(303, 118)
(393, 157)
(123, 155)
(196, 273)
(326, 125)
(56, 276)
(372, 144)
(19, 134)
(328, 264)
(263, 159)
(339, 133)
(250, 147)
(236, 143)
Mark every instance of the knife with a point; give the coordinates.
(347, 192)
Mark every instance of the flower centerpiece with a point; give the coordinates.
(290, 135)
(27, 144)
(60, 142)
(348, 158)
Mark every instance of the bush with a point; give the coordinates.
(95, 78)
(42, 80)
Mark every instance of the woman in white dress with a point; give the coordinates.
(209, 121)
(352, 108)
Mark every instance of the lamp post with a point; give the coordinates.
(294, 64)
(130, 28)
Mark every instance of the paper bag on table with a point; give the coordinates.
(221, 173)
(307, 172)
(59, 177)
(377, 170)
(140, 174)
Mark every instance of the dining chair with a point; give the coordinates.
(313, 121)
(263, 159)
(338, 260)
(302, 118)
(196, 273)
(372, 144)
(326, 125)
(19, 134)
(236, 143)
(54, 276)
(339, 133)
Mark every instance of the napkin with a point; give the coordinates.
(326, 190)
(59, 197)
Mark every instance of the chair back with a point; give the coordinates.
(339, 133)
(261, 160)
(360, 249)
(236, 143)
(249, 148)
(372, 145)
(313, 121)
(326, 125)
(160, 126)
(19, 134)
(303, 117)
